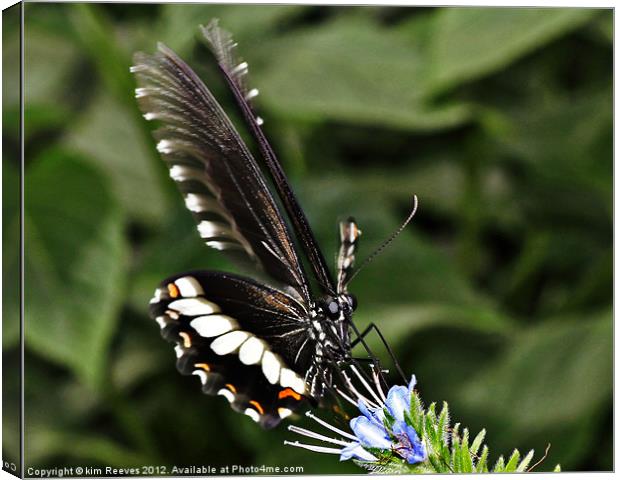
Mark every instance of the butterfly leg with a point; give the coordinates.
(360, 339)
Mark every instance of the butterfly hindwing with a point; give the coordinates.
(245, 341)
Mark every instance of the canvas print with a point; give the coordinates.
(299, 240)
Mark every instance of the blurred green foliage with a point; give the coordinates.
(498, 296)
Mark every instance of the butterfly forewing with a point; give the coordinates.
(235, 71)
(221, 183)
(245, 341)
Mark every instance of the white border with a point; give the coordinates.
(477, 3)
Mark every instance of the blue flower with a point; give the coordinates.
(408, 443)
(372, 430)
(399, 400)
(356, 451)
(370, 433)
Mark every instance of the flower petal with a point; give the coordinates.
(373, 414)
(412, 384)
(398, 402)
(369, 433)
(410, 447)
(355, 450)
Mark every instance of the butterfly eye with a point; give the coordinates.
(352, 301)
(332, 309)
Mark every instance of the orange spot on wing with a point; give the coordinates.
(289, 392)
(187, 341)
(258, 406)
(173, 290)
(340, 412)
(204, 366)
(231, 387)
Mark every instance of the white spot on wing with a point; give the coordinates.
(288, 378)
(229, 342)
(221, 245)
(194, 306)
(251, 94)
(251, 351)
(156, 296)
(242, 68)
(199, 203)
(202, 374)
(284, 412)
(161, 321)
(271, 367)
(253, 414)
(181, 173)
(213, 325)
(189, 287)
(212, 229)
(164, 146)
(227, 394)
(178, 350)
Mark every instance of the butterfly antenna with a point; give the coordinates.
(384, 245)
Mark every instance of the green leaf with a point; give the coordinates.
(48, 59)
(546, 362)
(85, 447)
(566, 143)
(95, 33)
(525, 462)
(399, 321)
(499, 465)
(442, 425)
(417, 413)
(10, 254)
(513, 461)
(455, 459)
(482, 463)
(75, 259)
(430, 428)
(109, 137)
(467, 464)
(174, 247)
(370, 72)
(603, 27)
(477, 443)
(468, 43)
(243, 21)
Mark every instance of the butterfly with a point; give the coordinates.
(271, 341)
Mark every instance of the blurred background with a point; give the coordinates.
(498, 296)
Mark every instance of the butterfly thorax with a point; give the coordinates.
(330, 319)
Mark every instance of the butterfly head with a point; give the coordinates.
(338, 307)
(331, 325)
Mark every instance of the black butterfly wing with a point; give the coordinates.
(235, 72)
(246, 341)
(220, 180)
